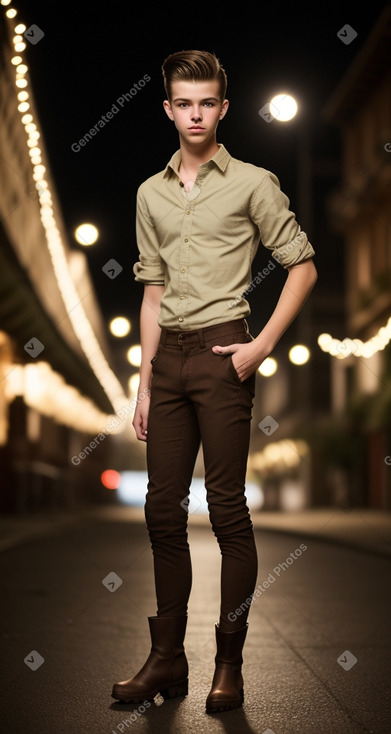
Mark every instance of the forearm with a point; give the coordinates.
(149, 331)
(299, 284)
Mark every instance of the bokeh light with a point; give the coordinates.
(86, 234)
(283, 107)
(299, 354)
(120, 326)
(268, 367)
(111, 479)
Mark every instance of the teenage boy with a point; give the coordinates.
(199, 223)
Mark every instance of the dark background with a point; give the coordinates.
(90, 55)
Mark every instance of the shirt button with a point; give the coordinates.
(186, 239)
(180, 318)
(182, 297)
(188, 211)
(183, 270)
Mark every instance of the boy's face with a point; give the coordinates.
(196, 110)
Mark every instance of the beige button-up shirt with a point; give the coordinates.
(200, 245)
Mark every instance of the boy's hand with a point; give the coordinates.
(246, 358)
(140, 418)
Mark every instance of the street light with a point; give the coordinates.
(86, 234)
(283, 107)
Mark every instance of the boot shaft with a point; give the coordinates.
(230, 646)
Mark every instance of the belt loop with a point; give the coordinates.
(163, 337)
(201, 337)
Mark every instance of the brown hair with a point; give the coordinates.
(193, 66)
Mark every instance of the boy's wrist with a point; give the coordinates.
(143, 395)
(264, 344)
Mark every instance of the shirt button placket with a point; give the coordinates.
(184, 263)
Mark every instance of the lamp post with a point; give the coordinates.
(283, 108)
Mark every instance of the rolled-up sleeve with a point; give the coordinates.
(278, 228)
(150, 267)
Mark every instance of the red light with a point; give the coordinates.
(110, 479)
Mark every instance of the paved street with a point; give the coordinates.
(317, 659)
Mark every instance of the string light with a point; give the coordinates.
(341, 349)
(71, 299)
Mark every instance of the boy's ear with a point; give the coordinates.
(168, 110)
(224, 108)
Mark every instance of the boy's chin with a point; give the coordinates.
(198, 138)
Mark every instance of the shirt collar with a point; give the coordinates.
(220, 159)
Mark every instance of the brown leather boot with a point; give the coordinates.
(166, 669)
(227, 686)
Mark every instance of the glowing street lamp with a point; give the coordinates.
(86, 234)
(283, 107)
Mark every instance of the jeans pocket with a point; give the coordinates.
(248, 383)
(233, 370)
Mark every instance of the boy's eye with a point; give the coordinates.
(185, 104)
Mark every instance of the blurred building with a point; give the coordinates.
(293, 403)
(360, 209)
(332, 442)
(61, 405)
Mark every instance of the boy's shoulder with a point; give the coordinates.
(156, 178)
(252, 171)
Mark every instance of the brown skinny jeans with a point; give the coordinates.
(197, 396)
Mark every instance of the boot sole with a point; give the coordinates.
(180, 688)
(217, 707)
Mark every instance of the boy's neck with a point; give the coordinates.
(192, 157)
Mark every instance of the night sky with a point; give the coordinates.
(91, 55)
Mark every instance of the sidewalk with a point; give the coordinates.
(363, 528)
(317, 658)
